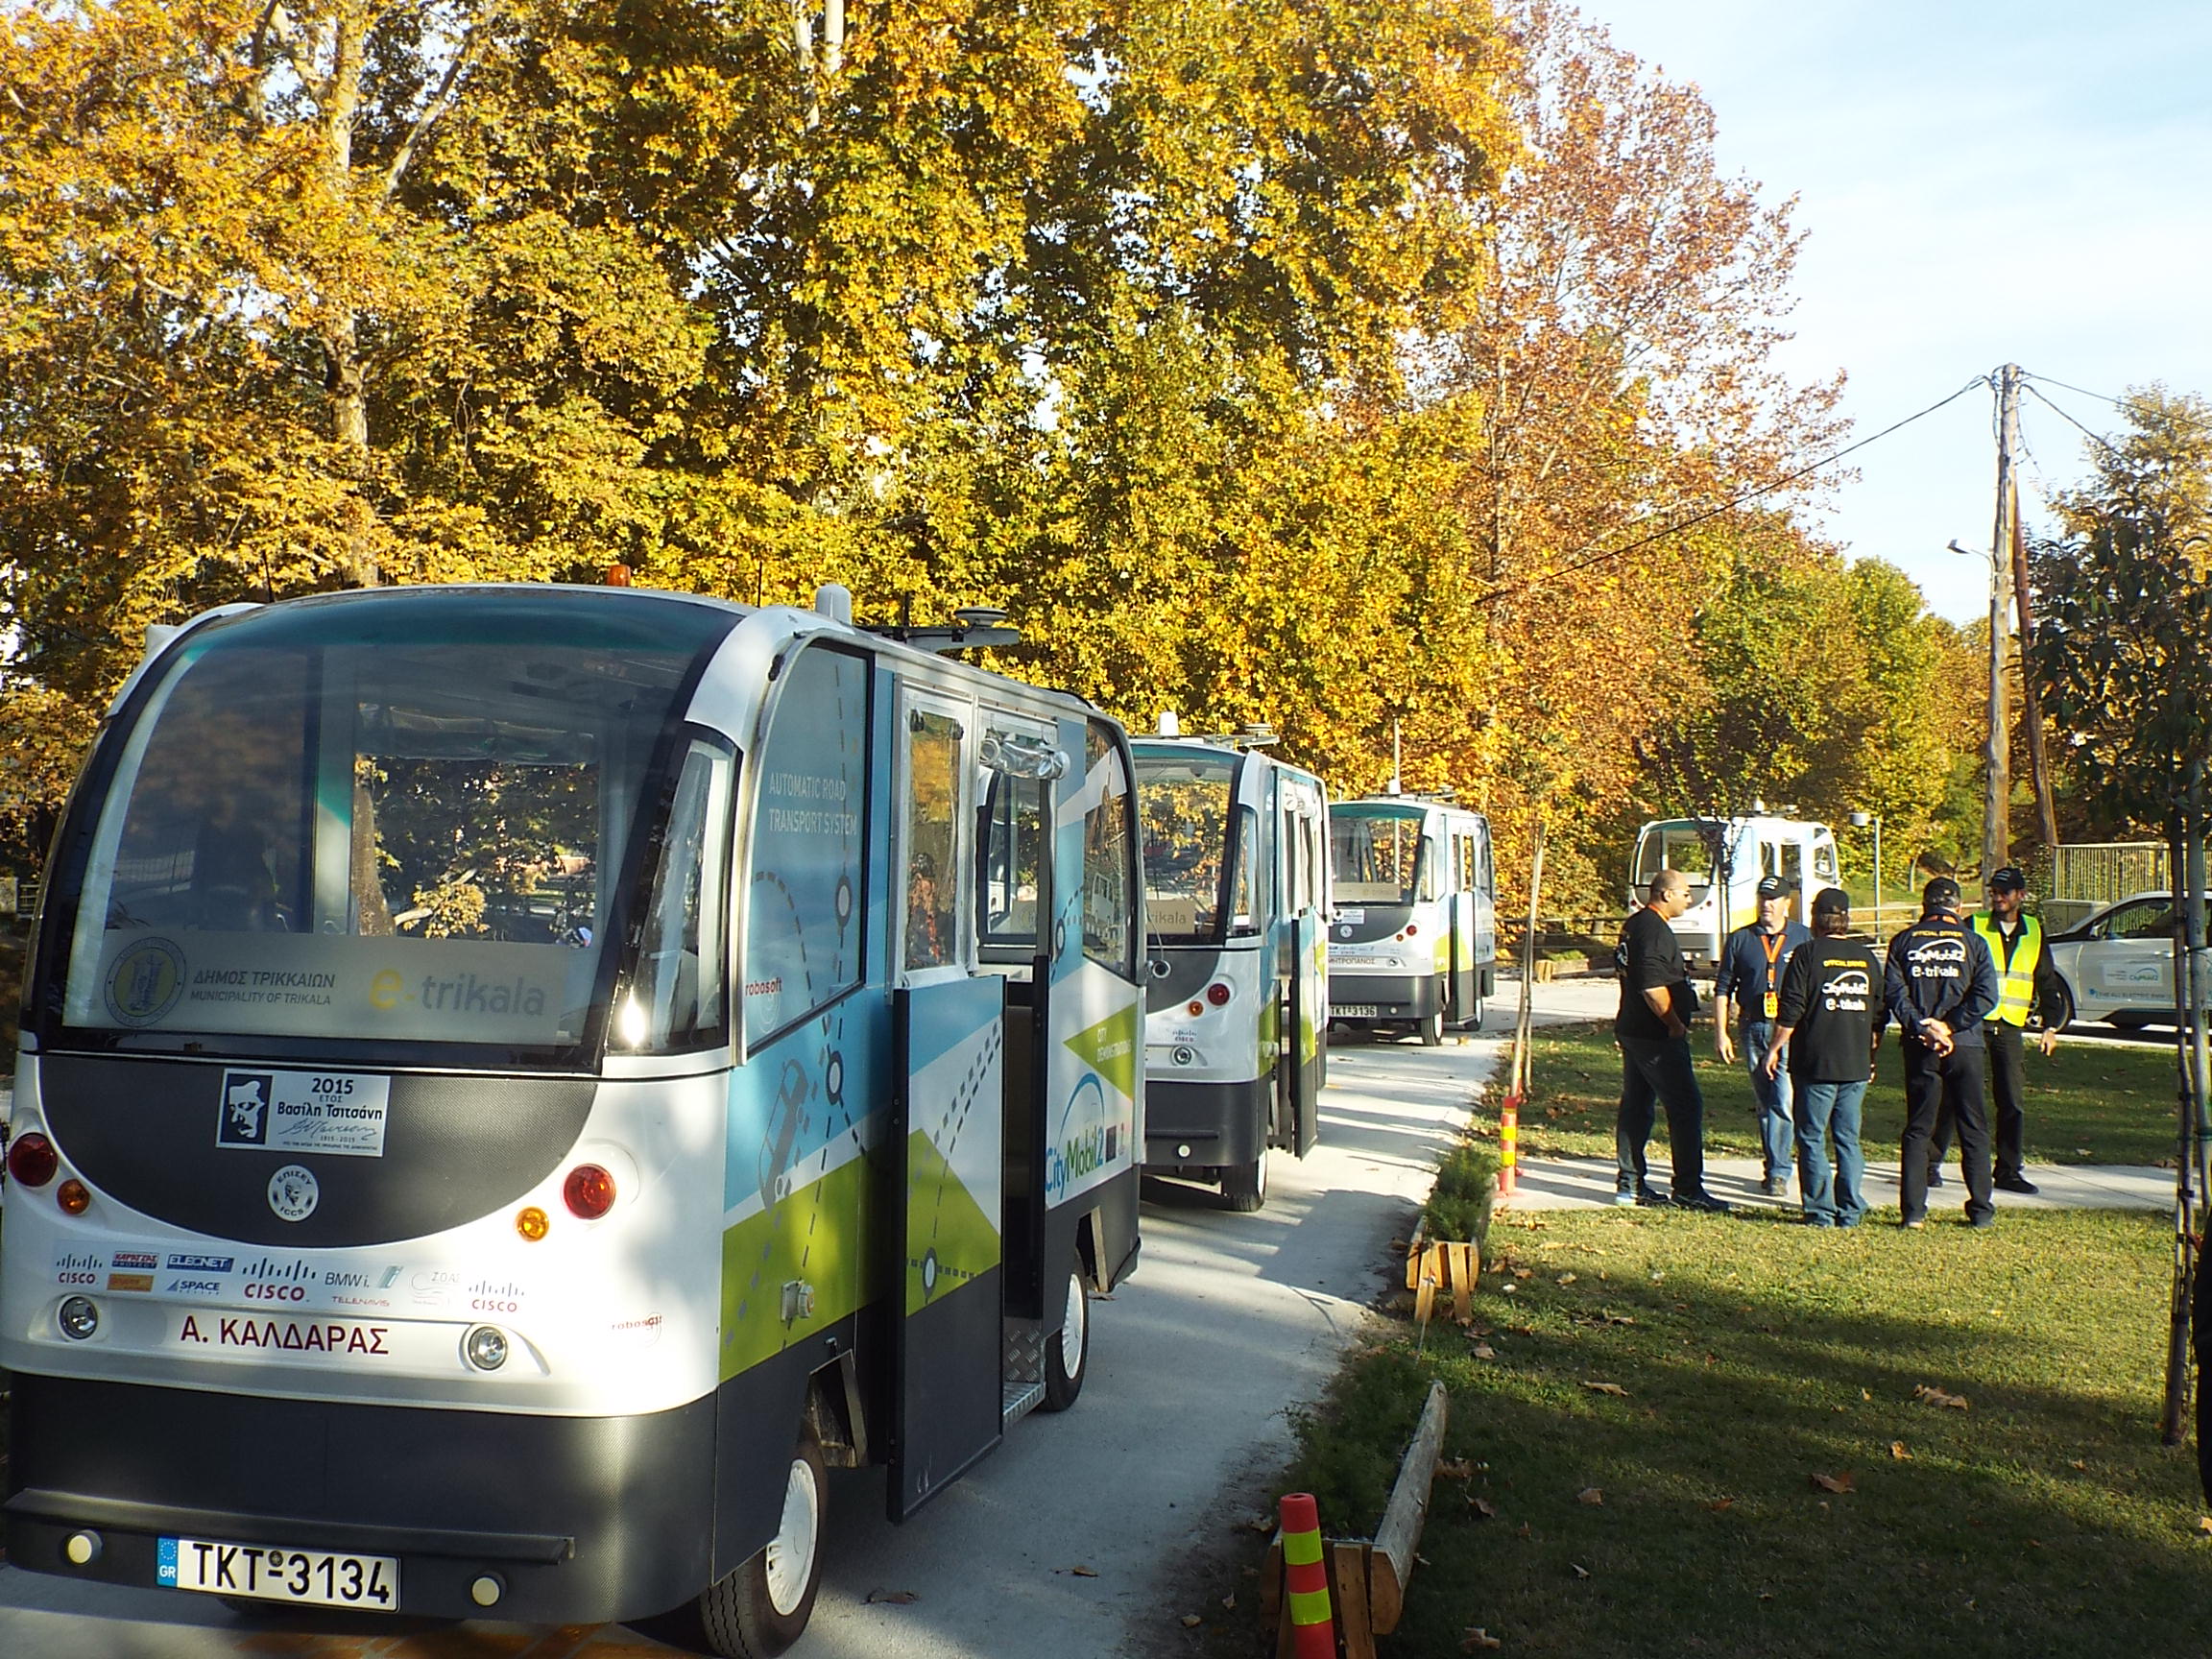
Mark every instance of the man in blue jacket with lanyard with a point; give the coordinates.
(1940, 985)
(1750, 976)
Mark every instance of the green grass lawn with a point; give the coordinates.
(2087, 1103)
(1762, 1474)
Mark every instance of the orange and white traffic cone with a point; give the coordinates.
(1306, 1579)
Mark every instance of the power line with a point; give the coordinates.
(1576, 566)
(2101, 398)
(2099, 439)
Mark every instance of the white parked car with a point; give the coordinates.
(2118, 964)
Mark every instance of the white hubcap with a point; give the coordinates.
(791, 1551)
(1071, 1324)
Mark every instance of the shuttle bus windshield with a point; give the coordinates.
(1198, 859)
(316, 831)
(1375, 852)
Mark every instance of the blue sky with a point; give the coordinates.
(1981, 184)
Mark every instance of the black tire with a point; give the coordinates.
(2065, 1005)
(762, 1607)
(1474, 1020)
(1429, 1028)
(1063, 1381)
(1244, 1186)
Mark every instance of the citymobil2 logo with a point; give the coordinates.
(1942, 957)
(1089, 1135)
(1849, 989)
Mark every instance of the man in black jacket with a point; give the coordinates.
(1940, 985)
(1829, 1015)
(1653, 1031)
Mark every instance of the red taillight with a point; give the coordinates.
(1218, 993)
(588, 1192)
(1411, 928)
(31, 1161)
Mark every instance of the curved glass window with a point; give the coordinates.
(1183, 809)
(1376, 855)
(397, 817)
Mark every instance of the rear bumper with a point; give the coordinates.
(1212, 1126)
(576, 1518)
(1361, 998)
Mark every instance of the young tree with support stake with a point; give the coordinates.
(2126, 601)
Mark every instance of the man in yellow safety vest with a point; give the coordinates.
(2027, 986)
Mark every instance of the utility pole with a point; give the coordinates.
(1997, 795)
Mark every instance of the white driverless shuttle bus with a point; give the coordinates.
(517, 1080)
(1237, 1010)
(1798, 851)
(1414, 942)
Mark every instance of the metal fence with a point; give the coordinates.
(2074, 880)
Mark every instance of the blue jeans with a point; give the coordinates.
(1654, 1073)
(1833, 1197)
(1770, 1098)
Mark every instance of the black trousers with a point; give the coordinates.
(1654, 1074)
(2008, 1079)
(1938, 1084)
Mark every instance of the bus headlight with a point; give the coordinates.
(485, 1347)
(79, 1317)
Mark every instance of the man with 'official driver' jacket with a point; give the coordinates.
(1940, 984)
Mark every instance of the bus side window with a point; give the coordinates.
(677, 1000)
(1109, 865)
(1249, 873)
(934, 870)
(1013, 859)
(804, 913)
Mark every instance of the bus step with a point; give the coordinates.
(1017, 1400)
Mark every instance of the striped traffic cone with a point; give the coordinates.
(1306, 1579)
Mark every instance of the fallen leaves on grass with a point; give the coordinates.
(1936, 1396)
(1834, 1483)
(1566, 1278)
(1581, 1570)
(1229, 1602)
(1898, 1452)
(1613, 1388)
(1483, 1351)
(1483, 1507)
(1591, 1495)
(1477, 1640)
(1721, 1505)
(2204, 1522)
(1454, 1469)
(1261, 1524)
(1192, 1620)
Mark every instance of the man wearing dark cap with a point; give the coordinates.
(1829, 1020)
(1747, 992)
(1940, 985)
(2027, 985)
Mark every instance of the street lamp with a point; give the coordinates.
(1860, 821)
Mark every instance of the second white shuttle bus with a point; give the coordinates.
(1414, 942)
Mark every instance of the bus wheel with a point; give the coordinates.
(1429, 1028)
(1245, 1185)
(1068, 1355)
(762, 1607)
(1474, 1020)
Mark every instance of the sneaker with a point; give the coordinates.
(1775, 1187)
(1982, 1223)
(1704, 1201)
(1651, 1197)
(1625, 1196)
(2016, 1184)
(1935, 1175)
(1912, 1226)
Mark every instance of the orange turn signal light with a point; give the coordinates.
(530, 1221)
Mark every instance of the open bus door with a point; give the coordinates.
(1303, 1018)
(950, 1029)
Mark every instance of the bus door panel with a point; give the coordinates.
(951, 1040)
(1014, 893)
(1305, 1004)
(1093, 1069)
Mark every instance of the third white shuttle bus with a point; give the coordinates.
(1237, 889)
(1414, 942)
(1801, 853)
